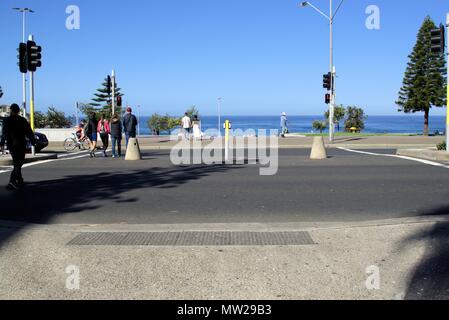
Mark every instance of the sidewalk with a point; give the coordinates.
(6, 160)
(364, 142)
(33, 260)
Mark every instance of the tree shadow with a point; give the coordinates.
(39, 202)
(430, 278)
(343, 140)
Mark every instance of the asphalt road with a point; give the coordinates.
(346, 187)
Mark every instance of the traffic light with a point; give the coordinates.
(437, 40)
(109, 85)
(328, 98)
(119, 101)
(327, 81)
(22, 58)
(33, 53)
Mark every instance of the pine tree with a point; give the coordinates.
(424, 82)
(102, 101)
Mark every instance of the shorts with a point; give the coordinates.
(93, 137)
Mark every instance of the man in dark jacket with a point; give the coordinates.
(129, 125)
(15, 131)
(92, 133)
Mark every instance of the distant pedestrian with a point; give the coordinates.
(129, 125)
(104, 130)
(284, 125)
(116, 136)
(92, 133)
(186, 125)
(15, 132)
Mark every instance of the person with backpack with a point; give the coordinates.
(129, 125)
(16, 130)
(104, 131)
(116, 136)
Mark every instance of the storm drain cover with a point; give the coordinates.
(192, 239)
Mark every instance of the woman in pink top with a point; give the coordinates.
(104, 130)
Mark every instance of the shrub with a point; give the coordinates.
(442, 146)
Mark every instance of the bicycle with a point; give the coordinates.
(70, 144)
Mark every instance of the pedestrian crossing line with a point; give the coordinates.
(66, 158)
(428, 162)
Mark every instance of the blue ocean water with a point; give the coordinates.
(303, 124)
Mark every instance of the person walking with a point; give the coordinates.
(284, 125)
(16, 130)
(104, 130)
(92, 133)
(116, 136)
(186, 125)
(129, 125)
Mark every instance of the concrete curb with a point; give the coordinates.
(29, 159)
(223, 227)
(426, 154)
(309, 146)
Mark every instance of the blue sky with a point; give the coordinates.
(262, 56)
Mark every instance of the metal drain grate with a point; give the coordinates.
(193, 239)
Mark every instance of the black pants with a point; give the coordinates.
(105, 140)
(18, 159)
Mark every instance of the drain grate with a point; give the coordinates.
(192, 239)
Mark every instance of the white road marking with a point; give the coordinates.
(431, 163)
(64, 158)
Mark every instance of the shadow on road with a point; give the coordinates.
(41, 201)
(430, 278)
(344, 140)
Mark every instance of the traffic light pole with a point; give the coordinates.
(113, 92)
(24, 79)
(332, 104)
(447, 84)
(33, 149)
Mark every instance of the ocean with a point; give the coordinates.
(402, 124)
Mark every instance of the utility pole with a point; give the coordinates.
(24, 11)
(447, 83)
(332, 105)
(77, 120)
(331, 19)
(33, 149)
(113, 92)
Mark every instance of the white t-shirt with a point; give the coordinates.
(186, 122)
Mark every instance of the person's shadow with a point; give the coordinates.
(40, 201)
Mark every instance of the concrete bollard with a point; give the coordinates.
(133, 150)
(318, 149)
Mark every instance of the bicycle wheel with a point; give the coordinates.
(69, 144)
(85, 145)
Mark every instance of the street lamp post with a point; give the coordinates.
(24, 11)
(331, 18)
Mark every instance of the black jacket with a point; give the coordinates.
(129, 123)
(116, 129)
(92, 126)
(15, 131)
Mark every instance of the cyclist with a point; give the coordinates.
(79, 131)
